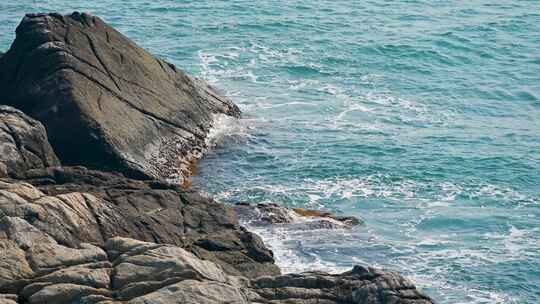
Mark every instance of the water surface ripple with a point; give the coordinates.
(422, 117)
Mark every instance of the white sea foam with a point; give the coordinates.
(287, 245)
(515, 241)
(225, 126)
(429, 260)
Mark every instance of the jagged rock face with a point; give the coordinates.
(105, 102)
(75, 205)
(23, 143)
(131, 271)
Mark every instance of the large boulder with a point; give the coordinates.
(23, 143)
(107, 103)
(73, 205)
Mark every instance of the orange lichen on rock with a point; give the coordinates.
(305, 212)
(191, 170)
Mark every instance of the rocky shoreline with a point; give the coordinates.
(96, 138)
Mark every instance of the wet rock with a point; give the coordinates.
(107, 103)
(346, 220)
(23, 143)
(301, 219)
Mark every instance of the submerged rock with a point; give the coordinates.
(297, 218)
(106, 102)
(23, 143)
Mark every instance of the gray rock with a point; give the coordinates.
(13, 266)
(40, 258)
(75, 205)
(194, 292)
(106, 102)
(96, 274)
(136, 272)
(22, 233)
(159, 263)
(8, 298)
(3, 170)
(361, 285)
(66, 294)
(23, 143)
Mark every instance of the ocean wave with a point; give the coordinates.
(226, 127)
(398, 190)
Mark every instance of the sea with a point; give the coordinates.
(421, 117)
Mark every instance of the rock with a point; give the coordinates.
(66, 294)
(150, 273)
(361, 285)
(107, 103)
(194, 292)
(38, 269)
(346, 220)
(301, 219)
(23, 143)
(13, 266)
(96, 275)
(73, 205)
(40, 258)
(8, 298)
(3, 170)
(159, 263)
(22, 233)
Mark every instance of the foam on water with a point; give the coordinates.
(421, 117)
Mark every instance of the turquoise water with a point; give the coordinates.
(421, 117)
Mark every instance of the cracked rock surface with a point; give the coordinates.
(106, 102)
(72, 235)
(23, 143)
(124, 270)
(73, 205)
